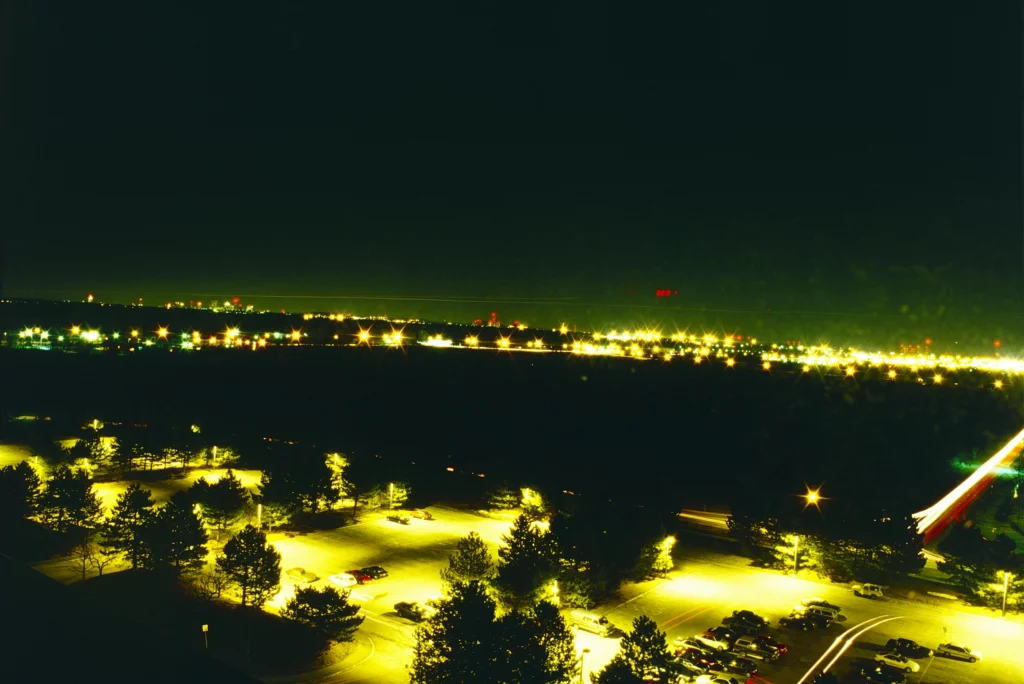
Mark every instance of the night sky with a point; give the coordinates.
(805, 170)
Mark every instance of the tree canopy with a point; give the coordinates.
(325, 610)
(68, 500)
(252, 565)
(470, 561)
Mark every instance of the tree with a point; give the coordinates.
(503, 498)
(617, 671)
(20, 491)
(558, 643)
(49, 450)
(134, 507)
(471, 561)
(125, 455)
(528, 564)
(305, 482)
(391, 495)
(252, 565)
(210, 583)
(326, 610)
(796, 552)
(174, 539)
(460, 642)
(69, 500)
(645, 650)
(84, 448)
(656, 559)
(222, 502)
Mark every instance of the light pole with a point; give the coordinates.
(391, 496)
(1006, 586)
(796, 550)
(206, 642)
(583, 655)
(259, 516)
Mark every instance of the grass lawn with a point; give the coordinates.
(254, 641)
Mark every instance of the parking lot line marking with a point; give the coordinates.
(686, 617)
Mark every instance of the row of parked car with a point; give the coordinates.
(901, 656)
(737, 647)
(361, 576)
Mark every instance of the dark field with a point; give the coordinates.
(663, 435)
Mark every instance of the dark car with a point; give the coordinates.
(802, 622)
(768, 641)
(751, 617)
(375, 571)
(820, 621)
(699, 658)
(724, 634)
(360, 576)
(883, 675)
(412, 611)
(740, 626)
(734, 664)
(908, 648)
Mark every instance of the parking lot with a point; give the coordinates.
(705, 589)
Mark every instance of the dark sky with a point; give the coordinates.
(859, 161)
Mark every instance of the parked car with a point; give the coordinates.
(690, 667)
(401, 519)
(360, 576)
(750, 647)
(751, 617)
(819, 611)
(960, 652)
(699, 658)
(711, 640)
(897, 661)
(867, 590)
(301, 575)
(822, 603)
(820, 621)
(375, 571)
(724, 633)
(740, 626)
(783, 649)
(343, 579)
(909, 648)
(735, 664)
(422, 515)
(685, 643)
(717, 679)
(883, 675)
(801, 622)
(411, 610)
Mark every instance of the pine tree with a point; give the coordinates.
(326, 610)
(503, 498)
(130, 514)
(558, 643)
(645, 650)
(617, 671)
(253, 566)
(20, 491)
(69, 501)
(223, 501)
(174, 539)
(471, 561)
(528, 565)
(460, 642)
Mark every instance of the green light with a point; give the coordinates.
(117, 335)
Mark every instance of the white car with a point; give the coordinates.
(691, 642)
(343, 579)
(959, 652)
(821, 603)
(717, 679)
(895, 660)
(711, 641)
(867, 590)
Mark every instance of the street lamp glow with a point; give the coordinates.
(364, 335)
(162, 333)
(998, 384)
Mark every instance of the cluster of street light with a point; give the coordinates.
(643, 344)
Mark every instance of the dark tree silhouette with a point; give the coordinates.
(326, 610)
(69, 501)
(528, 564)
(20, 491)
(252, 565)
(470, 561)
(131, 512)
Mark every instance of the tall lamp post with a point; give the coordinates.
(583, 655)
(796, 550)
(1006, 587)
(391, 495)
